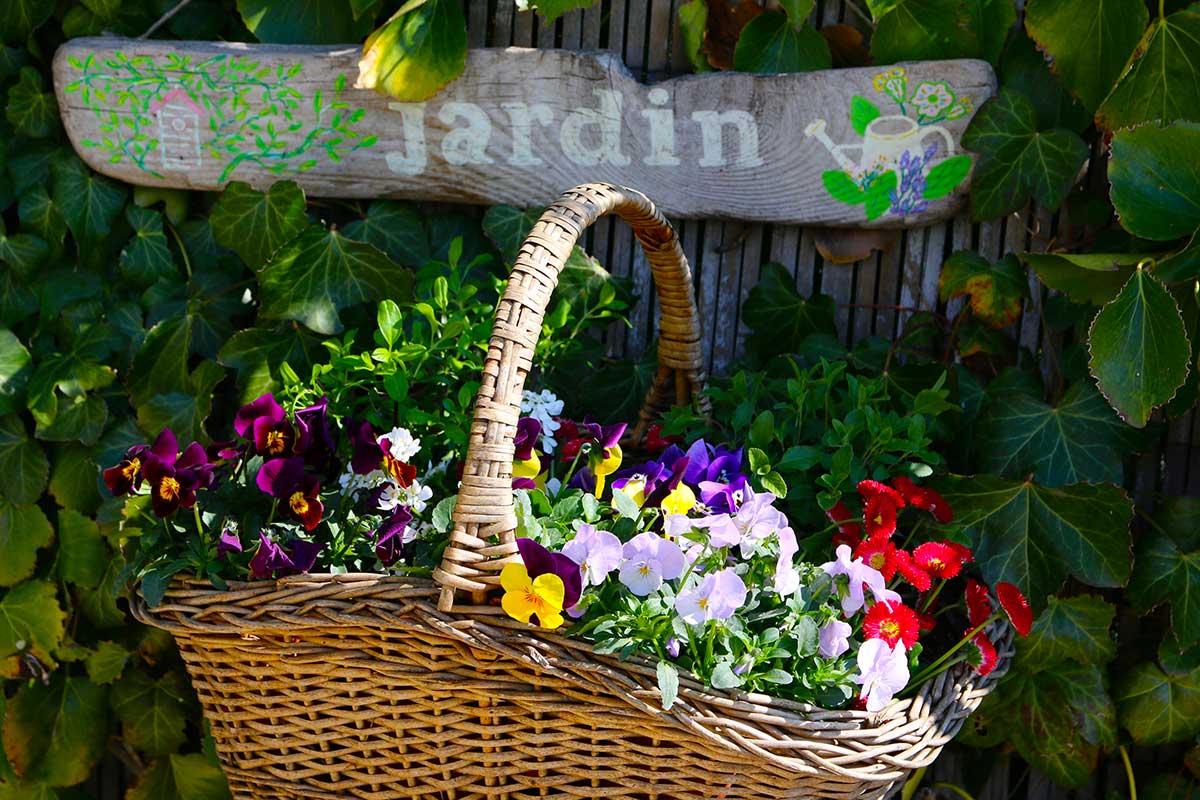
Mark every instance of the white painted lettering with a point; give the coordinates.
(606, 125)
(468, 145)
(712, 124)
(662, 130)
(523, 118)
(413, 160)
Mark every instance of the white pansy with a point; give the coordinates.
(544, 407)
(401, 444)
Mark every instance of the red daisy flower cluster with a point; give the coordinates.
(893, 622)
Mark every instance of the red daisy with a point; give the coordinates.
(982, 656)
(965, 554)
(924, 498)
(939, 559)
(912, 572)
(892, 622)
(1016, 606)
(927, 621)
(881, 502)
(878, 553)
(849, 532)
(979, 606)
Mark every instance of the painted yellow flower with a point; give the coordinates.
(681, 500)
(605, 462)
(524, 597)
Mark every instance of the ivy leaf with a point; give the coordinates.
(258, 354)
(1017, 159)
(183, 412)
(81, 553)
(161, 363)
(1155, 176)
(995, 290)
(31, 111)
(1079, 440)
(99, 605)
(14, 372)
(1162, 80)
(256, 224)
(31, 623)
(55, 732)
(89, 202)
(779, 317)
(1093, 278)
(420, 49)
(1156, 707)
(321, 272)
(310, 22)
(983, 28)
(507, 227)
(24, 530)
(915, 30)
(1087, 42)
(176, 777)
(147, 258)
(395, 228)
(1033, 536)
(693, 22)
(19, 18)
(25, 252)
(1165, 572)
(76, 419)
(1140, 351)
(1072, 629)
(40, 216)
(771, 44)
(74, 477)
(24, 468)
(106, 663)
(1024, 69)
(152, 712)
(1062, 718)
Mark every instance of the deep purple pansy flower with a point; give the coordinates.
(390, 537)
(174, 481)
(127, 475)
(264, 407)
(528, 431)
(313, 437)
(268, 558)
(540, 561)
(366, 455)
(286, 479)
(228, 542)
(304, 555)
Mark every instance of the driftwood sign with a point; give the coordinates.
(871, 147)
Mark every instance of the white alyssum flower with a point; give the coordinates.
(401, 444)
(353, 484)
(544, 407)
(416, 496)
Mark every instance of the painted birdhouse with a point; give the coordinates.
(179, 121)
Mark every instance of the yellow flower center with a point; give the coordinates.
(890, 629)
(644, 569)
(878, 560)
(275, 442)
(936, 564)
(168, 489)
(298, 503)
(131, 469)
(703, 603)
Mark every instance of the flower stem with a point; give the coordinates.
(199, 524)
(1128, 772)
(932, 596)
(932, 669)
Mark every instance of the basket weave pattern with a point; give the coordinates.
(380, 688)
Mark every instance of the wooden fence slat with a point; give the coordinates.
(709, 272)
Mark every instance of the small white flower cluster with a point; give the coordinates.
(544, 407)
(353, 484)
(401, 444)
(416, 496)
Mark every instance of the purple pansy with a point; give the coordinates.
(174, 481)
(127, 475)
(834, 638)
(596, 552)
(391, 536)
(268, 558)
(528, 431)
(285, 478)
(605, 436)
(264, 408)
(304, 554)
(313, 438)
(717, 596)
(367, 455)
(858, 574)
(540, 561)
(883, 672)
(228, 542)
(650, 559)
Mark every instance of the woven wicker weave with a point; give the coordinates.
(373, 687)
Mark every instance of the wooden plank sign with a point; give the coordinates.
(870, 147)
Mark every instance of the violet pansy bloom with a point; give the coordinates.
(883, 672)
(834, 639)
(757, 518)
(649, 560)
(313, 438)
(717, 596)
(596, 552)
(228, 542)
(393, 536)
(858, 574)
(268, 558)
(528, 432)
(606, 436)
(366, 456)
(264, 408)
(304, 555)
(787, 579)
(540, 561)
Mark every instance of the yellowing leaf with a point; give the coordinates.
(995, 290)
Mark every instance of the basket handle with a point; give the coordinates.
(485, 501)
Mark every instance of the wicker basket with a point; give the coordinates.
(373, 687)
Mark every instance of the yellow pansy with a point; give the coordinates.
(529, 468)
(605, 463)
(681, 500)
(524, 597)
(636, 489)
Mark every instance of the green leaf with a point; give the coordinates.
(256, 224)
(31, 623)
(551, 10)
(321, 272)
(258, 354)
(1093, 278)
(19, 18)
(147, 258)
(416, 52)
(995, 290)
(1162, 80)
(81, 551)
(1079, 440)
(56, 732)
(771, 44)
(176, 777)
(89, 202)
(1088, 42)
(14, 372)
(24, 468)
(842, 187)
(862, 113)
(183, 412)
(152, 712)
(668, 684)
(40, 216)
(99, 605)
(693, 21)
(395, 228)
(507, 227)
(1024, 69)
(24, 530)
(1033, 536)
(915, 30)
(1166, 572)
(303, 22)
(31, 111)
(945, 176)
(1017, 160)
(77, 419)
(779, 317)
(1155, 177)
(1072, 629)
(1156, 707)
(161, 363)
(106, 663)
(1140, 351)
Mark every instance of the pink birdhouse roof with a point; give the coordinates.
(181, 96)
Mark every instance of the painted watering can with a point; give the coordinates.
(884, 142)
